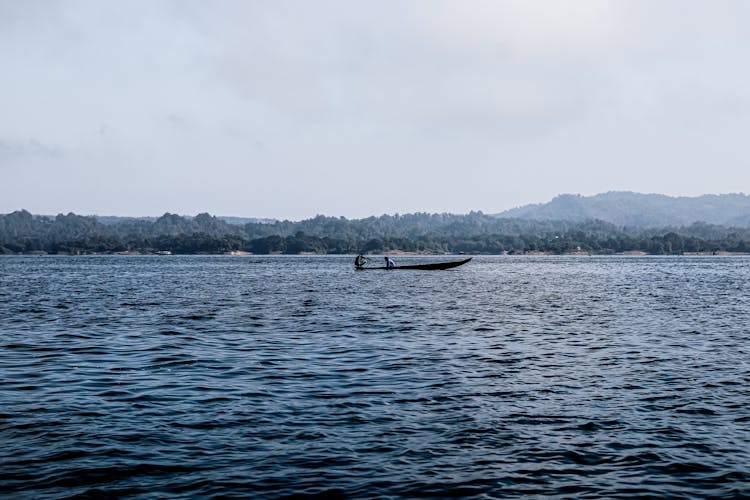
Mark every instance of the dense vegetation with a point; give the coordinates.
(474, 233)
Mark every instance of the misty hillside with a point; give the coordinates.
(473, 233)
(641, 210)
(113, 219)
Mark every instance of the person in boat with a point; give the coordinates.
(360, 261)
(389, 264)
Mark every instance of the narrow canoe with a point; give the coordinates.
(425, 267)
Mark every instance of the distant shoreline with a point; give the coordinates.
(416, 234)
(389, 253)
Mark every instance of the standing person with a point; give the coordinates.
(389, 264)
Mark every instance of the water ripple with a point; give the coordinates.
(297, 377)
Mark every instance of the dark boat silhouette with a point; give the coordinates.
(425, 267)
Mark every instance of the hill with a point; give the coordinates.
(628, 209)
(473, 233)
(113, 219)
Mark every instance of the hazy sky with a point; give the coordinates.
(289, 109)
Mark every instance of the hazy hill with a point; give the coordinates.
(114, 219)
(641, 210)
(21, 232)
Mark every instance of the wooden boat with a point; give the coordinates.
(425, 267)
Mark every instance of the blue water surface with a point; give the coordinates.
(274, 376)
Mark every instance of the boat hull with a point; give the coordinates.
(437, 266)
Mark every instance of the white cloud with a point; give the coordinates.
(287, 109)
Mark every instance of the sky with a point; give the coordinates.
(289, 109)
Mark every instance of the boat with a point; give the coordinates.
(436, 266)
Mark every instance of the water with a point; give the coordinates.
(181, 377)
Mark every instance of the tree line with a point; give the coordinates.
(473, 233)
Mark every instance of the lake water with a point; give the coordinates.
(183, 376)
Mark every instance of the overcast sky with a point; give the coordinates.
(288, 109)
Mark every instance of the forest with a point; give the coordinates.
(473, 233)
